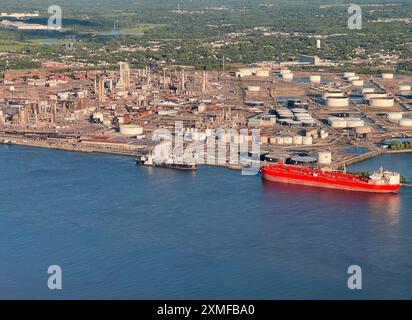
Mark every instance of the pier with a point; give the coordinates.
(356, 159)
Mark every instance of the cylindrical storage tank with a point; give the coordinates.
(253, 88)
(280, 140)
(263, 139)
(262, 73)
(307, 141)
(337, 102)
(287, 76)
(208, 132)
(325, 157)
(337, 123)
(363, 130)
(387, 75)
(382, 102)
(332, 94)
(405, 122)
(288, 140)
(394, 116)
(368, 90)
(349, 74)
(372, 95)
(130, 130)
(247, 71)
(404, 88)
(354, 123)
(297, 140)
(315, 78)
(357, 83)
(308, 122)
(285, 71)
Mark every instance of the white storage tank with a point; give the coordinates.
(297, 140)
(325, 157)
(288, 140)
(253, 88)
(382, 102)
(406, 122)
(357, 83)
(315, 78)
(394, 116)
(404, 88)
(372, 95)
(307, 141)
(368, 90)
(262, 73)
(332, 94)
(285, 71)
(363, 130)
(280, 140)
(355, 123)
(346, 75)
(130, 130)
(287, 76)
(337, 123)
(263, 139)
(247, 71)
(337, 102)
(387, 75)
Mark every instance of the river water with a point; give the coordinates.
(125, 232)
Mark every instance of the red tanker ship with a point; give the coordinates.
(383, 181)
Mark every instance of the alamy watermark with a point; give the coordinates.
(355, 18)
(212, 147)
(355, 280)
(55, 281)
(55, 20)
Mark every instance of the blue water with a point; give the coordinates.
(126, 232)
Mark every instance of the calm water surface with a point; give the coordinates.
(126, 232)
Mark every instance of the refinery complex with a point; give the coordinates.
(312, 118)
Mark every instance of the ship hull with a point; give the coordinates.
(325, 183)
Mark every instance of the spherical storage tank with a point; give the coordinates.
(325, 157)
(394, 116)
(405, 122)
(130, 130)
(337, 102)
(382, 102)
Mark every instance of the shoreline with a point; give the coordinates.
(97, 148)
